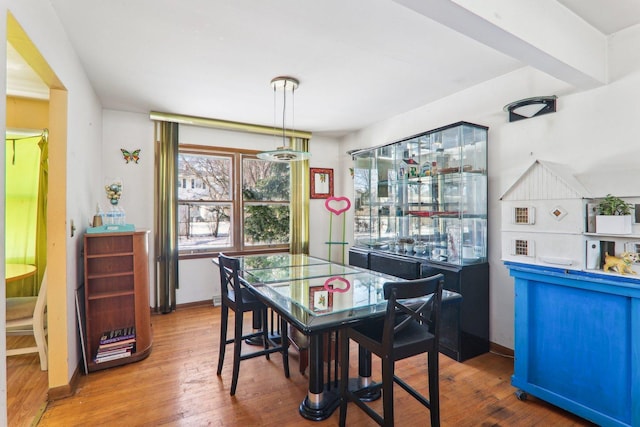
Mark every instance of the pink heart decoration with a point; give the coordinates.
(328, 284)
(337, 205)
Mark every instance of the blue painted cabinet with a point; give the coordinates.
(577, 341)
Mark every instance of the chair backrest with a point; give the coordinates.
(229, 280)
(410, 302)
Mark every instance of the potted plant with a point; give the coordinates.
(614, 216)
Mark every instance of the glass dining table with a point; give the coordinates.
(316, 296)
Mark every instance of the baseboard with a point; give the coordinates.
(66, 390)
(501, 350)
(216, 301)
(198, 303)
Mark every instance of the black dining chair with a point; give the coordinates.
(240, 299)
(410, 327)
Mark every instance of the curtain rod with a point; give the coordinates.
(19, 134)
(226, 125)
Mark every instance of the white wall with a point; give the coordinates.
(198, 279)
(130, 131)
(592, 131)
(326, 154)
(84, 127)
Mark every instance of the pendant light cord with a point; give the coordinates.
(284, 114)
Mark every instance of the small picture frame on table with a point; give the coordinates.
(320, 299)
(321, 183)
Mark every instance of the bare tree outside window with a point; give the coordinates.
(210, 215)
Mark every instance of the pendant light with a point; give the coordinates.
(285, 153)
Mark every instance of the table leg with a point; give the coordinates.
(274, 335)
(364, 376)
(319, 403)
(256, 323)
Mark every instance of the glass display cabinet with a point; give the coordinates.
(425, 196)
(421, 209)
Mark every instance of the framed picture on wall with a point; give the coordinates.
(321, 183)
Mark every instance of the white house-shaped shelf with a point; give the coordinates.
(543, 217)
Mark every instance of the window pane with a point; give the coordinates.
(204, 177)
(266, 224)
(204, 226)
(264, 181)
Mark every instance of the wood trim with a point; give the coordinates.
(209, 149)
(226, 125)
(500, 350)
(206, 302)
(61, 392)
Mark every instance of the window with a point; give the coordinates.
(522, 247)
(524, 215)
(235, 201)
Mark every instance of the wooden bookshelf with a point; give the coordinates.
(116, 271)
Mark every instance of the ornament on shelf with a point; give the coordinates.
(113, 188)
(116, 215)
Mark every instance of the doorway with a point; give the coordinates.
(56, 243)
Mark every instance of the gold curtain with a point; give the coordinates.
(166, 221)
(26, 209)
(299, 203)
(41, 223)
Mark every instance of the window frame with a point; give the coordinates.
(237, 202)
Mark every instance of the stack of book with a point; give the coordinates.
(116, 344)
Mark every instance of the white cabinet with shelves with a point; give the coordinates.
(548, 219)
(613, 243)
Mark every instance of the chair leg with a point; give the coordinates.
(304, 360)
(237, 348)
(344, 377)
(224, 317)
(387, 390)
(434, 389)
(41, 344)
(284, 342)
(265, 331)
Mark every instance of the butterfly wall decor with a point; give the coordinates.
(131, 156)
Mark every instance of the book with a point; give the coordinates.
(117, 344)
(112, 357)
(103, 353)
(115, 335)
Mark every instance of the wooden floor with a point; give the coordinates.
(26, 384)
(177, 386)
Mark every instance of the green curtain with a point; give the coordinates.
(166, 243)
(24, 157)
(299, 222)
(41, 223)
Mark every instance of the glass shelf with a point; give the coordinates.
(430, 189)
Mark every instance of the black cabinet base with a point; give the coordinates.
(472, 346)
(465, 327)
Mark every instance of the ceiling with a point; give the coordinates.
(358, 61)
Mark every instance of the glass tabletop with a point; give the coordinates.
(320, 303)
(256, 262)
(316, 295)
(296, 272)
